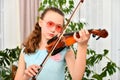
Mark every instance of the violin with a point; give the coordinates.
(68, 40)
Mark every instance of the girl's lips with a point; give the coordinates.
(51, 35)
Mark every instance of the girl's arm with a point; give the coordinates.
(23, 73)
(77, 66)
(21, 68)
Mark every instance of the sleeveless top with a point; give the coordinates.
(53, 69)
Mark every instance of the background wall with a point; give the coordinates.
(1, 23)
(11, 24)
(115, 34)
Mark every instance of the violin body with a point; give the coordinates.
(52, 42)
(68, 40)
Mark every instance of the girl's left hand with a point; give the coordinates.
(84, 37)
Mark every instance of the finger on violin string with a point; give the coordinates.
(75, 37)
(82, 32)
(86, 30)
(85, 34)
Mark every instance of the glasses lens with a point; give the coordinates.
(50, 24)
(58, 28)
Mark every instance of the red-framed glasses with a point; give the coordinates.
(51, 24)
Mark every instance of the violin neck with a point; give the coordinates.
(71, 33)
(69, 39)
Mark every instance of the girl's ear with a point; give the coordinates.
(40, 22)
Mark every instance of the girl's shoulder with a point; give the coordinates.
(22, 50)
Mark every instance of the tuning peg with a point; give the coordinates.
(93, 35)
(98, 38)
(99, 28)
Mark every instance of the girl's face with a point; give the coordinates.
(51, 24)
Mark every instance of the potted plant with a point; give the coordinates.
(7, 59)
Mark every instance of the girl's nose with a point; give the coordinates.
(53, 28)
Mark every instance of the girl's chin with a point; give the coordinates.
(48, 38)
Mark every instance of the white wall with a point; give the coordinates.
(1, 23)
(11, 24)
(115, 22)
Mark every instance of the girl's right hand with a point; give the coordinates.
(31, 71)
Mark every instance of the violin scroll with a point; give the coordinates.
(100, 33)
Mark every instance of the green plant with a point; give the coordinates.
(95, 58)
(7, 59)
(59, 4)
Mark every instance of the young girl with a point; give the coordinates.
(50, 25)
